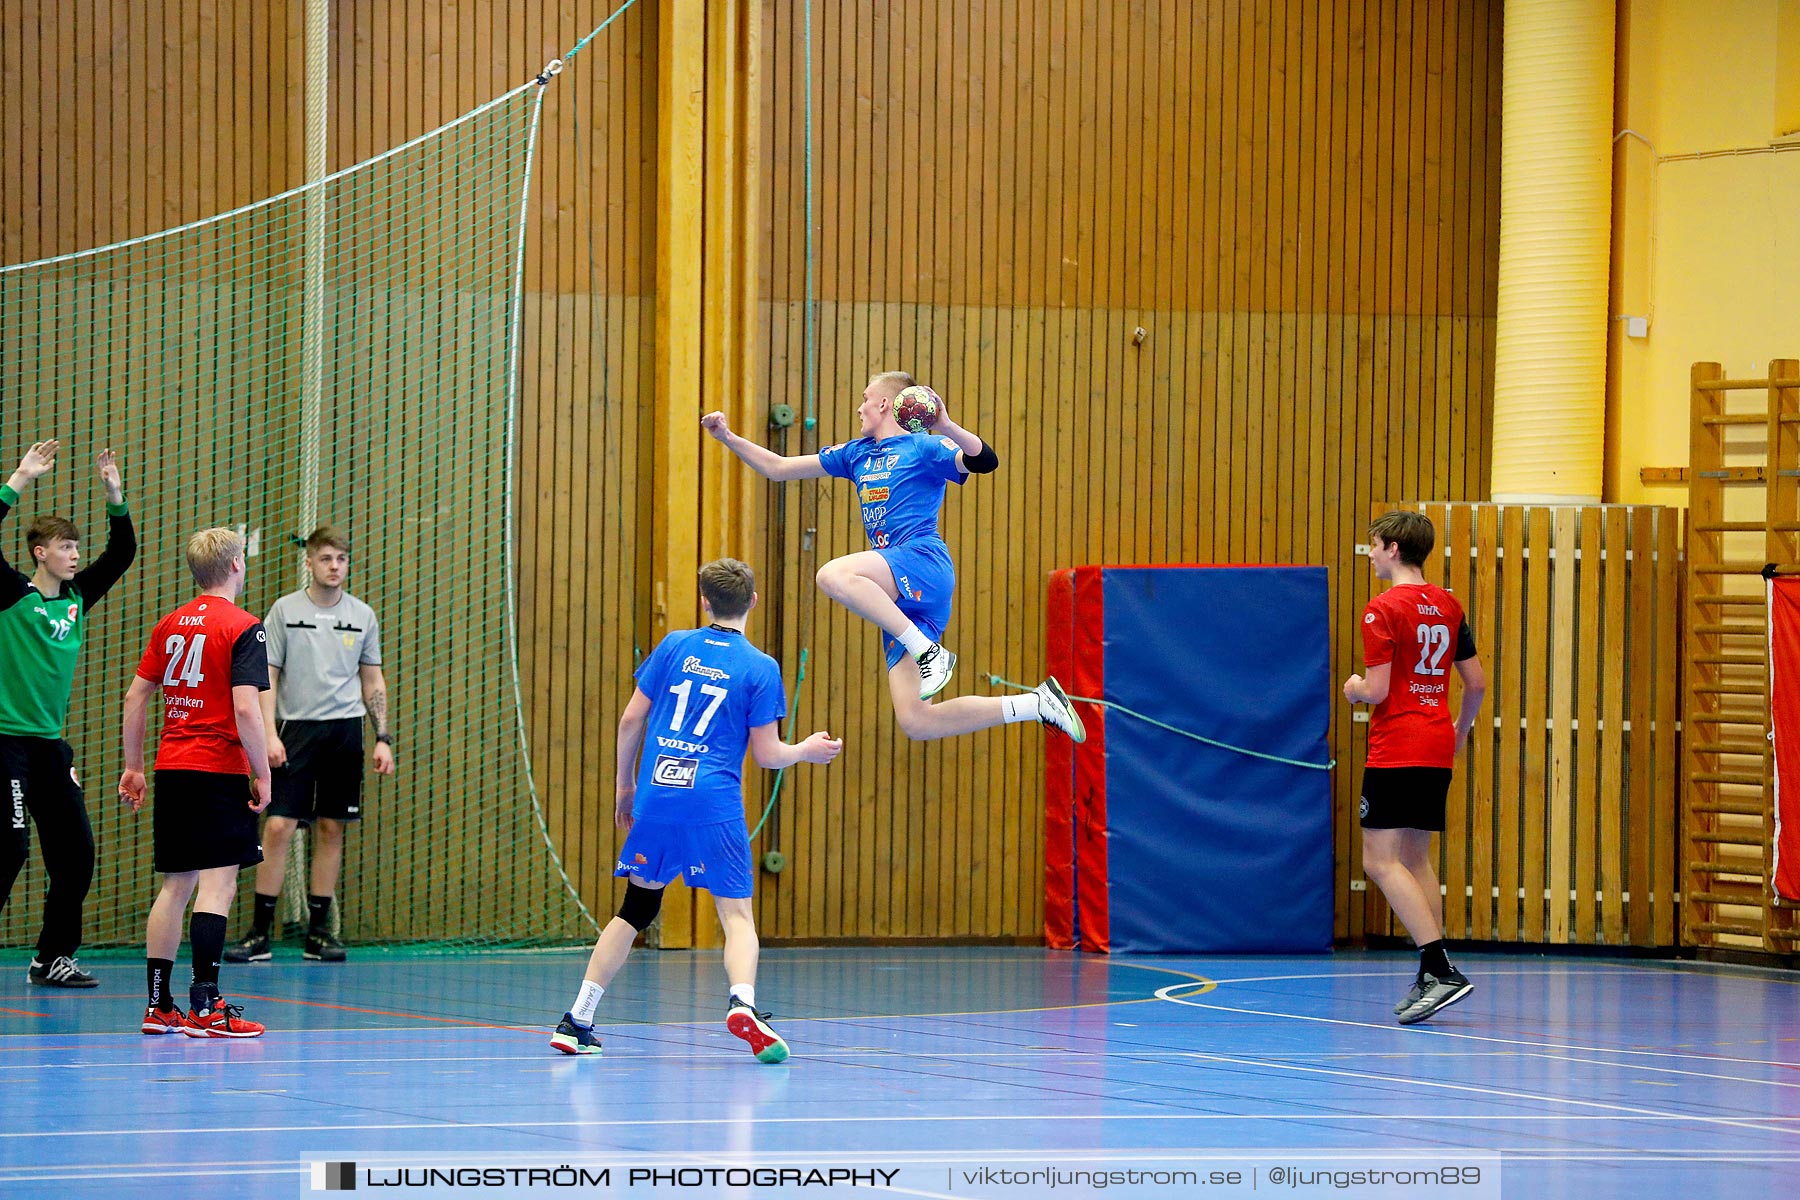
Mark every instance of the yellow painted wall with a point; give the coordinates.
(1706, 238)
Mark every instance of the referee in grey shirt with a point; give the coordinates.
(324, 679)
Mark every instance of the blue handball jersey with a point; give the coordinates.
(708, 689)
(900, 483)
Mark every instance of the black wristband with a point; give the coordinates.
(386, 739)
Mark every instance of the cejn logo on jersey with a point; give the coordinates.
(675, 772)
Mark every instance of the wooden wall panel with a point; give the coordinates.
(121, 118)
(1581, 849)
(1297, 201)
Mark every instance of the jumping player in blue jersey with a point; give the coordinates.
(702, 696)
(904, 581)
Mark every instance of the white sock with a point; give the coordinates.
(1023, 707)
(915, 642)
(587, 1002)
(745, 992)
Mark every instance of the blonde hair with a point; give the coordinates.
(729, 586)
(210, 554)
(899, 378)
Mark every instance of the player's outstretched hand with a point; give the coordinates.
(714, 423)
(622, 806)
(39, 459)
(820, 748)
(1353, 689)
(131, 789)
(108, 466)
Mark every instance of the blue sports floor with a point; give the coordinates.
(1589, 1077)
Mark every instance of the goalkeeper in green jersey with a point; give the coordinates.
(41, 619)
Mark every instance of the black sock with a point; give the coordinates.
(318, 910)
(156, 977)
(1434, 959)
(206, 933)
(262, 918)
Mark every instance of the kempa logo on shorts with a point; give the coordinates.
(675, 772)
(18, 799)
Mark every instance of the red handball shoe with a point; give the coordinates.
(160, 1021)
(222, 1020)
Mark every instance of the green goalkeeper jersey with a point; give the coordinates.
(40, 636)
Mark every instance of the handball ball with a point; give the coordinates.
(916, 408)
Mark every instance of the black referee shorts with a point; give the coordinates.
(323, 775)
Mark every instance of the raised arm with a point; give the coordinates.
(37, 461)
(974, 456)
(96, 580)
(772, 754)
(761, 459)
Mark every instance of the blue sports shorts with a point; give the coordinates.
(926, 579)
(715, 857)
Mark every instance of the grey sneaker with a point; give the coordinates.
(1412, 995)
(1436, 994)
(1055, 710)
(936, 666)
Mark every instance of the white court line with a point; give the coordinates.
(1161, 994)
(1390, 974)
(138, 1173)
(1475, 1088)
(814, 1053)
(1636, 1066)
(1068, 1056)
(919, 1118)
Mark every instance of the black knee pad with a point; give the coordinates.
(641, 906)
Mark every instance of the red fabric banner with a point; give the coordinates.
(1784, 717)
(1059, 774)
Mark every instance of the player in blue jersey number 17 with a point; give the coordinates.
(905, 580)
(702, 696)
